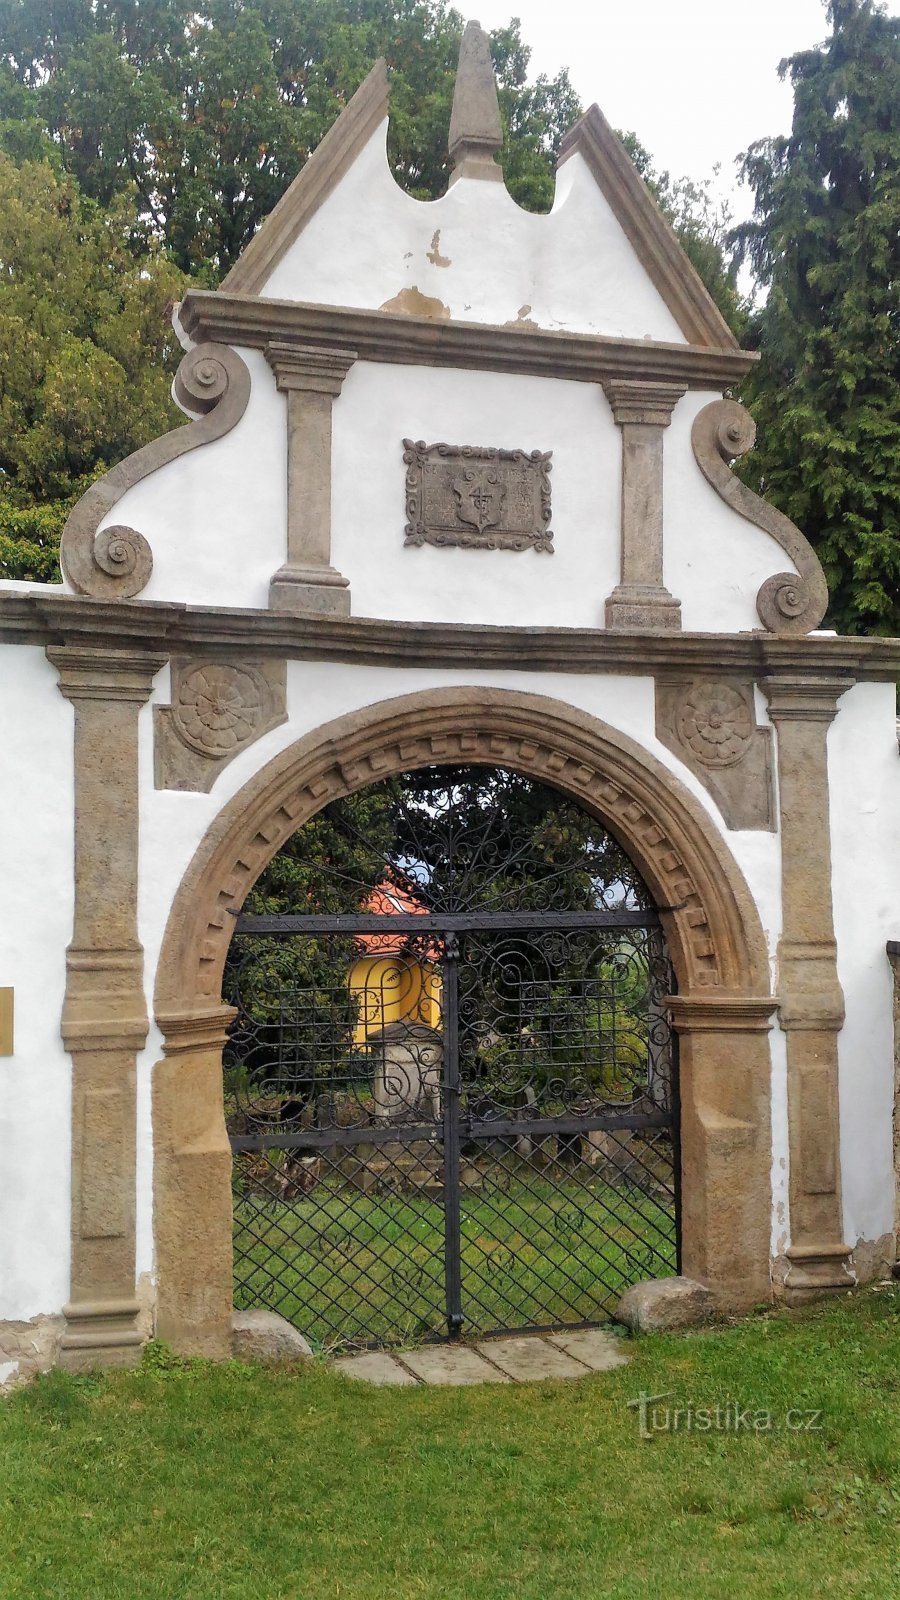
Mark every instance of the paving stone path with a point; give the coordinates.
(523, 1359)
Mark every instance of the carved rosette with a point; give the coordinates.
(715, 722)
(218, 709)
(710, 725)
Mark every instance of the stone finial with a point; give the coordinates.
(476, 133)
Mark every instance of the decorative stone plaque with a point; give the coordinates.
(480, 499)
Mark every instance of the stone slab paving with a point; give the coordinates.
(454, 1364)
(522, 1359)
(528, 1360)
(598, 1350)
(374, 1366)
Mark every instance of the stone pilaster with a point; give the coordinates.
(724, 1077)
(810, 995)
(643, 411)
(192, 1184)
(104, 1022)
(311, 378)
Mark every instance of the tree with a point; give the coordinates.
(209, 111)
(84, 351)
(825, 239)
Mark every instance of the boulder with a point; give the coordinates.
(265, 1336)
(662, 1304)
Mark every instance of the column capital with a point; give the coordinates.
(309, 368)
(91, 672)
(722, 1013)
(640, 401)
(802, 698)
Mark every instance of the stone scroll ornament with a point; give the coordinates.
(212, 385)
(479, 499)
(789, 602)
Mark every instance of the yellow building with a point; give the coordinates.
(389, 981)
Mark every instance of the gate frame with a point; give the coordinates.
(723, 1010)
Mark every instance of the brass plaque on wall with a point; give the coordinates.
(479, 499)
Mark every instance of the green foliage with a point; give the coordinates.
(825, 239)
(209, 111)
(84, 353)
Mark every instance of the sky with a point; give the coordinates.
(696, 80)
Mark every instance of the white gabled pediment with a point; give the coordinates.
(604, 261)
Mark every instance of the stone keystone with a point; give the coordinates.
(662, 1304)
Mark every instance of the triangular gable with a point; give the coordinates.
(322, 172)
(647, 230)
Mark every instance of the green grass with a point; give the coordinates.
(230, 1482)
(345, 1265)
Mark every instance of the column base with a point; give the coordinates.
(640, 608)
(310, 591)
(817, 1270)
(100, 1333)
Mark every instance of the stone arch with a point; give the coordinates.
(723, 1009)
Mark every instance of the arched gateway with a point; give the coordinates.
(455, 495)
(723, 1009)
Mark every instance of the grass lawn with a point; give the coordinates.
(344, 1265)
(224, 1483)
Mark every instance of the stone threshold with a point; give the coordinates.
(523, 1358)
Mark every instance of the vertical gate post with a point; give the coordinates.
(724, 1070)
(104, 1021)
(450, 1107)
(192, 1184)
(810, 994)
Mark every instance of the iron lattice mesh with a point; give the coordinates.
(504, 1096)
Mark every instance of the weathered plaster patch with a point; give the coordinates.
(413, 303)
(522, 319)
(27, 1348)
(434, 254)
(873, 1259)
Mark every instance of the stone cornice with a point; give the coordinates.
(52, 617)
(247, 320)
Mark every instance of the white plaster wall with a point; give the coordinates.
(216, 518)
(382, 405)
(475, 253)
(864, 778)
(36, 871)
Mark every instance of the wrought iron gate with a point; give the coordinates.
(450, 1122)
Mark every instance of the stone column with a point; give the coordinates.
(724, 1088)
(643, 411)
(312, 379)
(104, 1022)
(192, 1184)
(810, 995)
